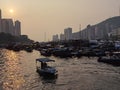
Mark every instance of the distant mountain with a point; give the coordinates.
(114, 21)
(101, 30)
(108, 26)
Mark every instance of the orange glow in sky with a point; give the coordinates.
(53, 16)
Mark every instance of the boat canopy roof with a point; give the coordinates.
(43, 60)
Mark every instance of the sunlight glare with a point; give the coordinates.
(11, 10)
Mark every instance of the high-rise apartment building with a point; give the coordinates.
(68, 33)
(17, 28)
(7, 26)
(0, 19)
(62, 37)
(55, 37)
(0, 14)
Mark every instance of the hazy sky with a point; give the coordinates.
(53, 16)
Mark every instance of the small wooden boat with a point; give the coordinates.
(45, 70)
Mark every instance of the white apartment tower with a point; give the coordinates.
(7, 26)
(62, 37)
(0, 19)
(68, 33)
(55, 37)
(0, 14)
(17, 28)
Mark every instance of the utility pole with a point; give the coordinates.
(80, 36)
(45, 36)
(0, 14)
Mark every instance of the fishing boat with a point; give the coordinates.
(45, 70)
(114, 60)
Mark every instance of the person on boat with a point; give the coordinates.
(43, 65)
(111, 54)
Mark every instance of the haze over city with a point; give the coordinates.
(53, 16)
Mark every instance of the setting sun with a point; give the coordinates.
(11, 10)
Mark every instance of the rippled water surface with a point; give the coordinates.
(18, 72)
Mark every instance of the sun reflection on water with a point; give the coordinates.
(13, 79)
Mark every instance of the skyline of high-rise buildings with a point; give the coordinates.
(8, 26)
(101, 31)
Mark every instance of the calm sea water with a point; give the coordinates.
(18, 72)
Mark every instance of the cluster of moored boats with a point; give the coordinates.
(100, 50)
(111, 58)
(20, 47)
(106, 52)
(65, 52)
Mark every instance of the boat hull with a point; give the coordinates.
(115, 62)
(47, 74)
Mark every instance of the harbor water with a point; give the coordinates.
(18, 72)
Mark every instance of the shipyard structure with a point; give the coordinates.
(8, 26)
